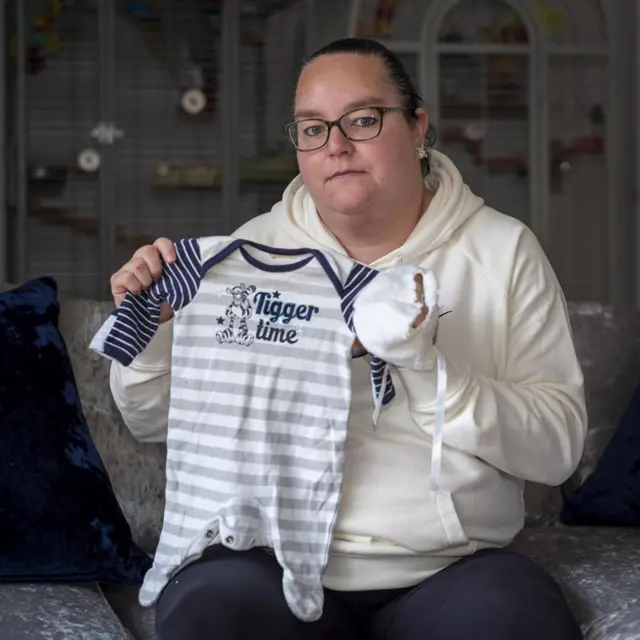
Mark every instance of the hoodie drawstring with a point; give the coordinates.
(438, 427)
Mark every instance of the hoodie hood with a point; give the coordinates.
(452, 205)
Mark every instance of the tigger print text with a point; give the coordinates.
(279, 321)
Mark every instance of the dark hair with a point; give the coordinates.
(411, 99)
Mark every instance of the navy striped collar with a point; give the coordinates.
(308, 255)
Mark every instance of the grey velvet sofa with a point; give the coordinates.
(598, 568)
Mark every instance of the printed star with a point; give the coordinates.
(276, 294)
(220, 320)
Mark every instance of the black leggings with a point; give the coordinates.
(492, 595)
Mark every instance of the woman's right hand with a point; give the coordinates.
(144, 268)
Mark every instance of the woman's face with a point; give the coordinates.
(349, 177)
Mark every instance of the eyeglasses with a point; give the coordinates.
(311, 134)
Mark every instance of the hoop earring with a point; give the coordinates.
(422, 152)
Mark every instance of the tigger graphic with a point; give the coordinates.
(238, 312)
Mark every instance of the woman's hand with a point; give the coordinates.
(144, 268)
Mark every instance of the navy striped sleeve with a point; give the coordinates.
(377, 376)
(130, 328)
(359, 277)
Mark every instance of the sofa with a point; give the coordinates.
(598, 567)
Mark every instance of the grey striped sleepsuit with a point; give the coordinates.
(260, 398)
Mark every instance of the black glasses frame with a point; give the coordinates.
(288, 128)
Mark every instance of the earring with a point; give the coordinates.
(422, 152)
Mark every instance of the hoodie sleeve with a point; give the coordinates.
(141, 390)
(531, 421)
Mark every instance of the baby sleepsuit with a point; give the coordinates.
(260, 399)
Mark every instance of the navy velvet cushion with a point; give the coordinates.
(611, 494)
(59, 517)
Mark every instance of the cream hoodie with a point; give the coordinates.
(514, 400)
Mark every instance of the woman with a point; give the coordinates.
(407, 563)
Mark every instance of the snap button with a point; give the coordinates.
(399, 258)
(229, 539)
(208, 533)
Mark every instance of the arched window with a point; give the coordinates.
(520, 92)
